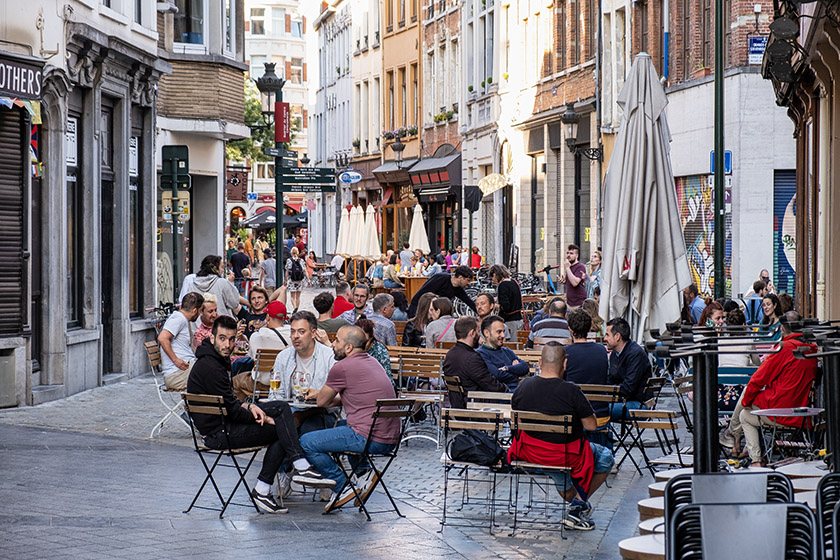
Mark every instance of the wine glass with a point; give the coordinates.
(304, 386)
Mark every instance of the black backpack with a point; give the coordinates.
(475, 446)
(296, 272)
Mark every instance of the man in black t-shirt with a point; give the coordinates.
(446, 285)
(589, 463)
(586, 362)
(239, 261)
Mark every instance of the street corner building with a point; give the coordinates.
(89, 94)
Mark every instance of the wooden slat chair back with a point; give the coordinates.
(423, 369)
(463, 419)
(654, 387)
(215, 405)
(453, 384)
(601, 394)
(168, 397)
(487, 400)
(664, 425)
(529, 355)
(516, 346)
(400, 327)
(522, 337)
(445, 344)
(263, 363)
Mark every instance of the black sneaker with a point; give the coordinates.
(311, 477)
(577, 518)
(267, 503)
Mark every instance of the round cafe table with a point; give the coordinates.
(808, 484)
(652, 526)
(807, 498)
(812, 469)
(651, 507)
(664, 476)
(646, 547)
(657, 489)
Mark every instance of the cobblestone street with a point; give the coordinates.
(82, 480)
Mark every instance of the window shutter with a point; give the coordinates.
(12, 134)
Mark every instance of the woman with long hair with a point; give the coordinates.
(594, 274)
(712, 315)
(441, 327)
(311, 261)
(598, 324)
(400, 306)
(389, 277)
(772, 307)
(294, 286)
(413, 335)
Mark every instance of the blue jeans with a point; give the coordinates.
(241, 364)
(618, 411)
(391, 284)
(604, 462)
(317, 446)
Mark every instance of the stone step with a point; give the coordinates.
(111, 378)
(46, 393)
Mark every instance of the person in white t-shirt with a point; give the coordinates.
(177, 357)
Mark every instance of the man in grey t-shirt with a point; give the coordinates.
(405, 257)
(176, 353)
(268, 271)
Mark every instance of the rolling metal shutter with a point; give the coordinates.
(784, 230)
(12, 150)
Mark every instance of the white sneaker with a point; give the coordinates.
(284, 485)
(325, 494)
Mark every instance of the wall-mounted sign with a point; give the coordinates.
(282, 123)
(71, 145)
(350, 177)
(491, 183)
(20, 77)
(132, 156)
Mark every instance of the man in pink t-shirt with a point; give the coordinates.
(355, 382)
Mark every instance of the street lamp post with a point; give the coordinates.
(571, 120)
(270, 84)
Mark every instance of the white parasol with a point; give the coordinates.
(417, 237)
(343, 232)
(372, 250)
(645, 265)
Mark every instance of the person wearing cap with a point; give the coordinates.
(274, 336)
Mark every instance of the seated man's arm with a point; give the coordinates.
(325, 397)
(762, 377)
(165, 341)
(483, 378)
(518, 367)
(636, 375)
(590, 423)
(391, 336)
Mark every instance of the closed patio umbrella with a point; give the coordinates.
(645, 265)
(417, 237)
(372, 250)
(357, 232)
(343, 233)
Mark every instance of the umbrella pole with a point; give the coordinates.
(831, 388)
(705, 412)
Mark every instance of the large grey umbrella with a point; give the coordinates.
(645, 265)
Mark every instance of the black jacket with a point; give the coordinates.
(464, 362)
(441, 285)
(412, 336)
(631, 369)
(510, 301)
(211, 376)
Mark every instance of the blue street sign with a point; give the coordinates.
(252, 197)
(727, 162)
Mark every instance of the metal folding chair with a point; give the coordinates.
(169, 398)
(215, 405)
(385, 408)
(664, 425)
(421, 380)
(263, 363)
(828, 498)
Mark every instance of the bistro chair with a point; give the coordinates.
(215, 405)
(169, 398)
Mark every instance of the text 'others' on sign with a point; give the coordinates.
(20, 76)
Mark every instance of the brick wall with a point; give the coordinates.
(435, 31)
(197, 90)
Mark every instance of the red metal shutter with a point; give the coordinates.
(12, 150)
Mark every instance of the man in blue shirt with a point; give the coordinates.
(554, 326)
(753, 311)
(501, 362)
(629, 368)
(695, 303)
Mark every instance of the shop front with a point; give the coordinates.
(398, 201)
(437, 185)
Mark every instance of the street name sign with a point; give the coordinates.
(278, 152)
(307, 175)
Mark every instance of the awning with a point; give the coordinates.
(389, 172)
(267, 219)
(436, 172)
(438, 193)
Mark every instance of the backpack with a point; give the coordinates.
(477, 447)
(296, 272)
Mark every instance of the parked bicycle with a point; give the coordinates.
(158, 315)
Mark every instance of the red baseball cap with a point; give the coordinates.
(276, 309)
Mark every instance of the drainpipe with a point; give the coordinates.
(598, 84)
(666, 32)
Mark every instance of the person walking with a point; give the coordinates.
(294, 277)
(268, 270)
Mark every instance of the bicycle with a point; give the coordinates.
(161, 314)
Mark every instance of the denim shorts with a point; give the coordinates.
(604, 462)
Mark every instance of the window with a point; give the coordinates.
(415, 100)
(229, 23)
(506, 19)
(138, 11)
(297, 26)
(278, 22)
(296, 75)
(686, 37)
(487, 23)
(403, 98)
(106, 3)
(643, 24)
(560, 29)
(106, 139)
(135, 216)
(592, 28)
(189, 22)
(402, 12)
(265, 170)
(257, 21)
(390, 100)
(389, 14)
(75, 266)
(257, 67)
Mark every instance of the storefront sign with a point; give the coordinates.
(756, 49)
(350, 177)
(71, 146)
(20, 78)
(132, 156)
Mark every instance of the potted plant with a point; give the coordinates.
(412, 130)
(448, 115)
(482, 84)
(489, 80)
(401, 132)
(357, 143)
(439, 118)
(388, 134)
(505, 75)
(470, 89)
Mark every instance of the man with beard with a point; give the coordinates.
(574, 276)
(464, 362)
(247, 424)
(356, 382)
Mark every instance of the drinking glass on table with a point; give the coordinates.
(296, 385)
(304, 385)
